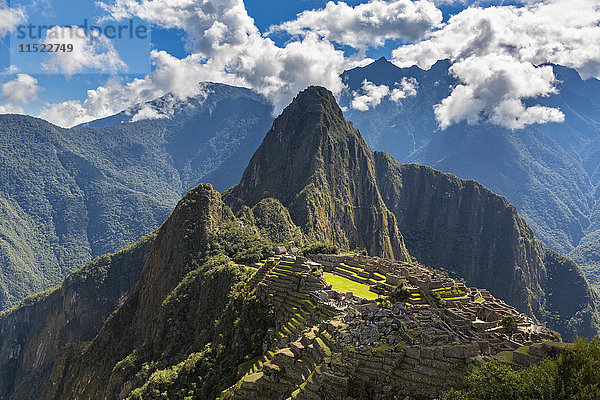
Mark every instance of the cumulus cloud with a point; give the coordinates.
(166, 106)
(9, 18)
(23, 89)
(211, 26)
(180, 77)
(368, 24)
(406, 88)
(493, 88)
(148, 112)
(95, 52)
(10, 70)
(10, 108)
(564, 32)
(372, 94)
(226, 47)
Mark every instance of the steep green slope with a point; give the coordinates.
(32, 335)
(68, 317)
(447, 222)
(60, 210)
(318, 166)
(190, 306)
(194, 322)
(273, 221)
(69, 195)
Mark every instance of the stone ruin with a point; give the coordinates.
(330, 344)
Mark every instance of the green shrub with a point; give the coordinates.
(438, 300)
(572, 375)
(509, 323)
(319, 248)
(400, 293)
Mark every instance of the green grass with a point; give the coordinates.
(455, 298)
(344, 285)
(378, 276)
(442, 289)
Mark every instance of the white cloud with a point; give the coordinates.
(148, 112)
(372, 97)
(493, 88)
(9, 18)
(406, 88)
(171, 75)
(211, 25)
(10, 70)
(564, 32)
(227, 47)
(11, 109)
(95, 52)
(23, 89)
(366, 24)
(374, 94)
(181, 77)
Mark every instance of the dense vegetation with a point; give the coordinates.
(273, 220)
(317, 165)
(33, 334)
(319, 248)
(70, 195)
(192, 319)
(573, 375)
(185, 333)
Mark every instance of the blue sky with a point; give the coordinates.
(57, 87)
(491, 44)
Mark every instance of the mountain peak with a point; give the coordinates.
(312, 115)
(317, 164)
(314, 100)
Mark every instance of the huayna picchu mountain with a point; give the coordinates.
(321, 169)
(203, 309)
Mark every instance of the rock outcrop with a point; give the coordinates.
(321, 169)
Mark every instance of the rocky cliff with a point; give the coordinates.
(188, 307)
(189, 310)
(32, 335)
(68, 196)
(465, 228)
(321, 169)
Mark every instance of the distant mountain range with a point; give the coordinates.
(70, 195)
(178, 312)
(549, 171)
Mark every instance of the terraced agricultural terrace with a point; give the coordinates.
(338, 332)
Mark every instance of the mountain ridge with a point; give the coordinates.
(71, 195)
(313, 158)
(457, 225)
